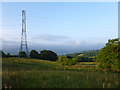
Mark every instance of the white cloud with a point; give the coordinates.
(77, 42)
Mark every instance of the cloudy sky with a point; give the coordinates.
(61, 27)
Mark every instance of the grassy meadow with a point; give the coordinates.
(35, 73)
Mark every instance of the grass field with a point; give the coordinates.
(35, 73)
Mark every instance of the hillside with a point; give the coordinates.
(90, 53)
(27, 64)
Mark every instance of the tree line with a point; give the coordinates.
(107, 57)
(44, 54)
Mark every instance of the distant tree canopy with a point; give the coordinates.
(2, 53)
(109, 56)
(48, 55)
(22, 54)
(83, 59)
(34, 54)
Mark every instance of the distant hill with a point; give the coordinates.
(90, 53)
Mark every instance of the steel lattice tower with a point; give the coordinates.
(23, 46)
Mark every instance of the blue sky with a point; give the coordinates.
(62, 27)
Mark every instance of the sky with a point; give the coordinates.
(64, 27)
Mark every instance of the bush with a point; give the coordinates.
(108, 56)
(73, 61)
(22, 54)
(48, 55)
(33, 54)
(67, 61)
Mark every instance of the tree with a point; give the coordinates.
(33, 54)
(2, 53)
(109, 56)
(48, 55)
(22, 54)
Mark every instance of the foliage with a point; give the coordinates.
(33, 54)
(48, 55)
(67, 61)
(83, 59)
(84, 56)
(22, 54)
(108, 56)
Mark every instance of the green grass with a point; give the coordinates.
(87, 63)
(27, 64)
(35, 73)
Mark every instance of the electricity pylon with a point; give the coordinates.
(23, 46)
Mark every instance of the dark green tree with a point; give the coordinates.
(48, 55)
(108, 56)
(33, 54)
(22, 54)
